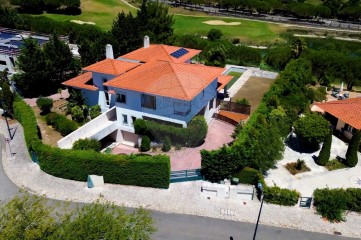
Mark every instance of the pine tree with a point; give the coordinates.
(60, 64)
(125, 34)
(325, 152)
(351, 154)
(32, 77)
(154, 20)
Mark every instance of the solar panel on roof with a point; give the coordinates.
(179, 53)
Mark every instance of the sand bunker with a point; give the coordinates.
(81, 22)
(221, 22)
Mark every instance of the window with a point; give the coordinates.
(2, 62)
(148, 101)
(125, 119)
(349, 128)
(121, 98)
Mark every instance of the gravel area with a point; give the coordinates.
(182, 198)
(319, 176)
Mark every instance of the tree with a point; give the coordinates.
(298, 46)
(94, 111)
(77, 114)
(45, 104)
(278, 57)
(154, 20)
(219, 164)
(32, 77)
(216, 56)
(351, 154)
(145, 144)
(312, 130)
(214, 34)
(60, 63)
(87, 144)
(125, 34)
(7, 98)
(32, 217)
(325, 152)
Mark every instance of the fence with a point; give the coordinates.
(225, 119)
(186, 175)
(234, 107)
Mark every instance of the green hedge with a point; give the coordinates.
(139, 170)
(87, 144)
(61, 123)
(192, 136)
(281, 196)
(249, 176)
(332, 203)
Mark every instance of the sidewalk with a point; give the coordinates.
(181, 198)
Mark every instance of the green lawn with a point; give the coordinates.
(101, 12)
(248, 31)
(235, 75)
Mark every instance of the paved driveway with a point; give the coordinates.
(219, 133)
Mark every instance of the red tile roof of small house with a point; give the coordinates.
(160, 52)
(81, 82)
(223, 80)
(348, 110)
(111, 66)
(175, 80)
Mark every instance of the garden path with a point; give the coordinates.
(319, 176)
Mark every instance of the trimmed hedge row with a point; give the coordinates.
(139, 170)
(192, 136)
(332, 203)
(61, 123)
(275, 195)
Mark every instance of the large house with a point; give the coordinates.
(345, 114)
(156, 82)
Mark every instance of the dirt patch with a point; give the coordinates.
(253, 90)
(82, 22)
(221, 22)
(48, 134)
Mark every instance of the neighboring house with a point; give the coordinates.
(345, 114)
(156, 82)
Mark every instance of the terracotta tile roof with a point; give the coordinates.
(348, 110)
(174, 80)
(80, 82)
(238, 117)
(111, 66)
(223, 80)
(160, 52)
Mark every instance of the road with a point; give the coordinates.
(187, 227)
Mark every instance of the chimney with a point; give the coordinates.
(109, 51)
(146, 42)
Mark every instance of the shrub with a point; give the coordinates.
(330, 203)
(219, 164)
(312, 130)
(325, 152)
(191, 136)
(166, 145)
(249, 176)
(281, 196)
(77, 114)
(334, 164)
(87, 144)
(61, 123)
(214, 34)
(94, 111)
(145, 145)
(139, 170)
(351, 154)
(243, 101)
(45, 104)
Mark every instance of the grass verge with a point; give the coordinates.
(334, 164)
